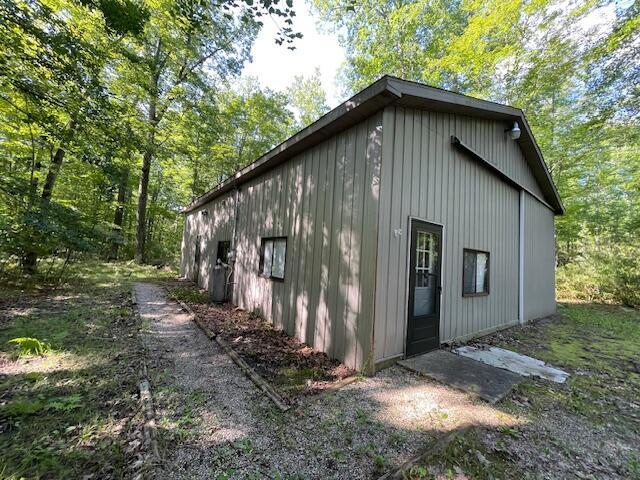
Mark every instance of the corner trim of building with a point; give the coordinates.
(521, 234)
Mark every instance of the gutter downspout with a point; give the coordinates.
(521, 260)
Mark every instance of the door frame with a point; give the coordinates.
(407, 278)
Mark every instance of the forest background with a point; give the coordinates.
(114, 114)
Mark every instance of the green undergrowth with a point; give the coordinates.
(598, 345)
(67, 409)
(189, 294)
(90, 272)
(465, 455)
(292, 379)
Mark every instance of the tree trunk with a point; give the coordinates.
(194, 182)
(29, 260)
(147, 157)
(56, 164)
(118, 218)
(143, 188)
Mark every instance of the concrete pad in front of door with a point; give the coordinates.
(489, 383)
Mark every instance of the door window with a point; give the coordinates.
(424, 299)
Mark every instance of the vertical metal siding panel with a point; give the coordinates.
(278, 288)
(249, 246)
(280, 229)
(402, 222)
(297, 206)
(355, 244)
(383, 298)
(291, 193)
(300, 289)
(487, 221)
(264, 231)
(369, 239)
(345, 244)
(301, 245)
(239, 290)
(424, 163)
(415, 167)
(326, 326)
(310, 285)
(452, 235)
(267, 285)
(539, 269)
(270, 287)
(254, 246)
(453, 239)
(335, 299)
(316, 274)
(433, 166)
(446, 209)
(463, 194)
(395, 260)
(251, 239)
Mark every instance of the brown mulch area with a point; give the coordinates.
(293, 367)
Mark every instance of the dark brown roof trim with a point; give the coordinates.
(359, 107)
(375, 97)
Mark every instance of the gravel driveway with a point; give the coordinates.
(214, 423)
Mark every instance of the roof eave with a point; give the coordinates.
(375, 97)
(357, 108)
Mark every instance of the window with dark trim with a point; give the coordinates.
(273, 254)
(475, 273)
(224, 247)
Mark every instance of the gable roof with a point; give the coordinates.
(385, 91)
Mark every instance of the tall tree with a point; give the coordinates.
(188, 44)
(575, 77)
(52, 56)
(307, 98)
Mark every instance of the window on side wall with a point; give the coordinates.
(475, 273)
(273, 254)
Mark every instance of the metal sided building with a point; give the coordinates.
(406, 217)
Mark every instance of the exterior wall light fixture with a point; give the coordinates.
(514, 132)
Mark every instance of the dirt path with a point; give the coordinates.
(214, 423)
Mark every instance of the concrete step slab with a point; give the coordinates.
(487, 382)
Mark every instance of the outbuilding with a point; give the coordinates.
(405, 218)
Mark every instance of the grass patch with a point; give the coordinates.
(598, 346)
(190, 294)
(70, 411)
(465, 456)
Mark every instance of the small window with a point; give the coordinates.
(224, 247)
(273, 253)
(475, 273)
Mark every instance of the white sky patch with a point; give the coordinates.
(275, 66)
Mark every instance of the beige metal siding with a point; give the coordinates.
(424, 177)
(216, 226)
(325, 201)
(539, 260)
